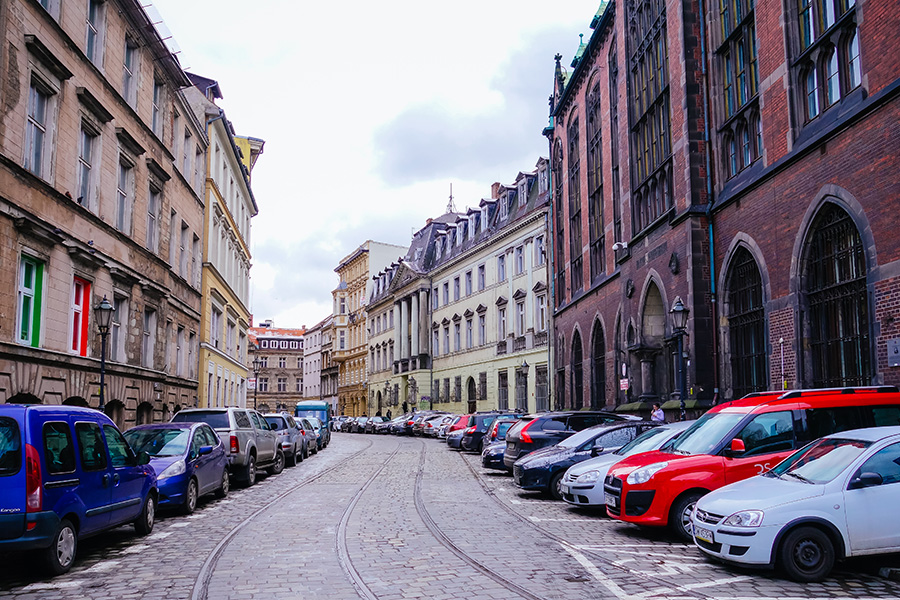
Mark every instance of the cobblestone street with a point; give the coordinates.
(396, 518)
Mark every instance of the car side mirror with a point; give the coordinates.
(596, 450)
(864, 480)
(143, 458)
(737, 447)
(205, 450)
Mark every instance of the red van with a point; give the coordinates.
(734, 441)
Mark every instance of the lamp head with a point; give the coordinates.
(103, 314)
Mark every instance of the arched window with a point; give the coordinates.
(812, 93)
(731, 161)
(832, 79)
(853, 77)
(756, 123)
(746, 326)
(838, 327)
(746, 151)
(598, 368)
(577, 383)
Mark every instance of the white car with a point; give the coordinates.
(582, 485)
(835, 498)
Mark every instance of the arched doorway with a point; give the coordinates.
(471, 395)
(598, 368)
(144, 413)
(76, 401)
(746, 326)
(23, 398)
(656, 376)
(838, 324)
(577, 383)
(115, 410)
(378, 402)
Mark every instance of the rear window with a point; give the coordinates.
(518, 426)
(827, 421)
(276, 422)
(93, 451)
(59, 453)
(482, 419)
(10, 447)
(215, 419)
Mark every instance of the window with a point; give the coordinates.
(188, 149)
(264, 362)
(59, 454)
(482, 333)
(468, 283)
(117, 329)
(520, 318)
(469, 333)
(769, 432)
(86, 180)
(560, 224)
(501, 267)
(503, 390)
(299, 385)
(540, 251)
(343, 303)
(282, 384)
(182, 247)
(124, 194)
(148, 346)
(595, 184)
(215, 326)
(230, 329)
(746, 326)
(343, 340)
(446, 293)
(282, 362)
(37, 129)
(79, 314)
(574, 205)
(456, 288)
(457, 342)
(885, 462)
(447, 339)
(156, 121)
(179, 352)
(129, 72)
(520, 260)
(153, 206)
(90, 444)
(435, 342)
(434, 298)
(542, 312)
(29, 301)
(263, 384)
(812, 93)
(93, 46)
(501, 323)
(481, 277)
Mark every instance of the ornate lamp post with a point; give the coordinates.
(257, 366)
(102, 315)
(679, 314)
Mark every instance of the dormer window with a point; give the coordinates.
(484, 219)
(543, 180)
(504, 207)
(523, 194)
(472, 228)
(459, 234)
(437, 249)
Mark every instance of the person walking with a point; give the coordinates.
(657, 415)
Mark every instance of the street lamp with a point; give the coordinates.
(257, 366)
(679, 314)
(102, 315)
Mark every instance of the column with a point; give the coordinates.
(397, 322)
(404, 329)
(414, 321)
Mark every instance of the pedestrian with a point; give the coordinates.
(405, 407)
(389, 414)
(657, 415)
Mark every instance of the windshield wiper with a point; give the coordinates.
(800, 477)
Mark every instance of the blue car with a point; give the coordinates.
(189, 460)
(67, 473)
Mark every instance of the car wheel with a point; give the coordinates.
(298, 457)
(290, 460)
(555, 488)
(278, 467)
(806, 554)
(58, 558)
(226, 485)
(190, 497)
(680, 516)
(144, 523)
(250, 471)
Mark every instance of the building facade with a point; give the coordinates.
(330, 370)
(279, 383)
(225, 282)
(312, 362)
(723, 162)
(101, 172)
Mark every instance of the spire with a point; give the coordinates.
(451, 208)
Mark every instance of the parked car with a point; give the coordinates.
(56, 465)
(250, 441)
(533, 432)
(431, 425)
(290, 437)
(189, 460)
(358, 424)
(492, 456)
(454, 439)
(338, 423)
(373, 422)
(833, 499)
(446, 424)
(386, 426)
(582, 484)
(477, 426)
(498, 429)
(398, 425)
(310, 436)
(734, 441)
(421, 419)
(323, 434)
(544, 469)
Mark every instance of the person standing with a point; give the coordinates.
(657, 415)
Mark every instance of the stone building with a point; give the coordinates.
(741, 160)
(279, 383)
(312, 362)
(101, 172)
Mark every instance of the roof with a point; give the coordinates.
(274, 332)
(206, 84)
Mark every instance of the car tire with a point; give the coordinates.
(680, 516)
(225, 487)
(143, 525)
(290, 460)
(298, 456)
(278, 466)
(59, 557)
(191, 495)
(555, 482)
(249, 475)
(806, 554)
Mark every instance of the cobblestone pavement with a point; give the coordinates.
(402, 518)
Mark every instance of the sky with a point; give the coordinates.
(370, 111)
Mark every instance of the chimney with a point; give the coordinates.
(495, 190)
(428, 222)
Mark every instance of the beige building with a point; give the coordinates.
(330, 370)
(102, 197)
(350, 341)
(312, 362)
(461, 323)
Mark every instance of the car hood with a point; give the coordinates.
(545, 456)
(603, 463)
(759, 493)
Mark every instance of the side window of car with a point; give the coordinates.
(242, 419)
(210, 437)
(196, 442)
(120, 452)
(884, 416)
(10, 447)
(554, 424)
(90, 442)
(885, 462)
(769, 432)
(825, 421)
(258, 422)
(579, 422)
(291, 423)
(616, 438)
(59, 455)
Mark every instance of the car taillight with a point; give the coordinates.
(410, 423)
(470, 430)
(523, 435)
(34, 493)
(235, 448)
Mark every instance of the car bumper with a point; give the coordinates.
(43, 529)
(584, 494)
(531, 479)
(493, 462)
(172, 490)
(751, 546)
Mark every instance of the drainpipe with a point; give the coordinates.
(709, 204)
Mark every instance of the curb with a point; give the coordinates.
(892, 573)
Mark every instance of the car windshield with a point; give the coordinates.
(215, 419)
(276, 423)
(707, 433)
(502, 428)
(304, 412)
(314, 422)
(585, 435)
(647, 441)
(159, 442)
(821, 461)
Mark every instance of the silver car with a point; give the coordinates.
(290, 437)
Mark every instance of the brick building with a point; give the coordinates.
(739, 156)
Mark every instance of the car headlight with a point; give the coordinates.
(644, 474)
(745, 518)
(176, 468)
(589, 477)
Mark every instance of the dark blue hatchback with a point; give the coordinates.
(67, 473)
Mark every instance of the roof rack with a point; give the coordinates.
(876, 389)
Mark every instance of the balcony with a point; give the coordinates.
(519, 344)
(501, 348)
(541, 338)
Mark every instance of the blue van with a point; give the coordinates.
(67, 473)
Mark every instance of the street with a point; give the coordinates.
(397, 518)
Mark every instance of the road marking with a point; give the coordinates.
(54, 585)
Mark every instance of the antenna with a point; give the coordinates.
(451, 208)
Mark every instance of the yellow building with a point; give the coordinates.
(225, 283)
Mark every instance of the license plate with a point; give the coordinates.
(564, 488)
(611, 500)
(704, 535)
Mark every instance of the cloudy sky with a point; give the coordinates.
(370, 110)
